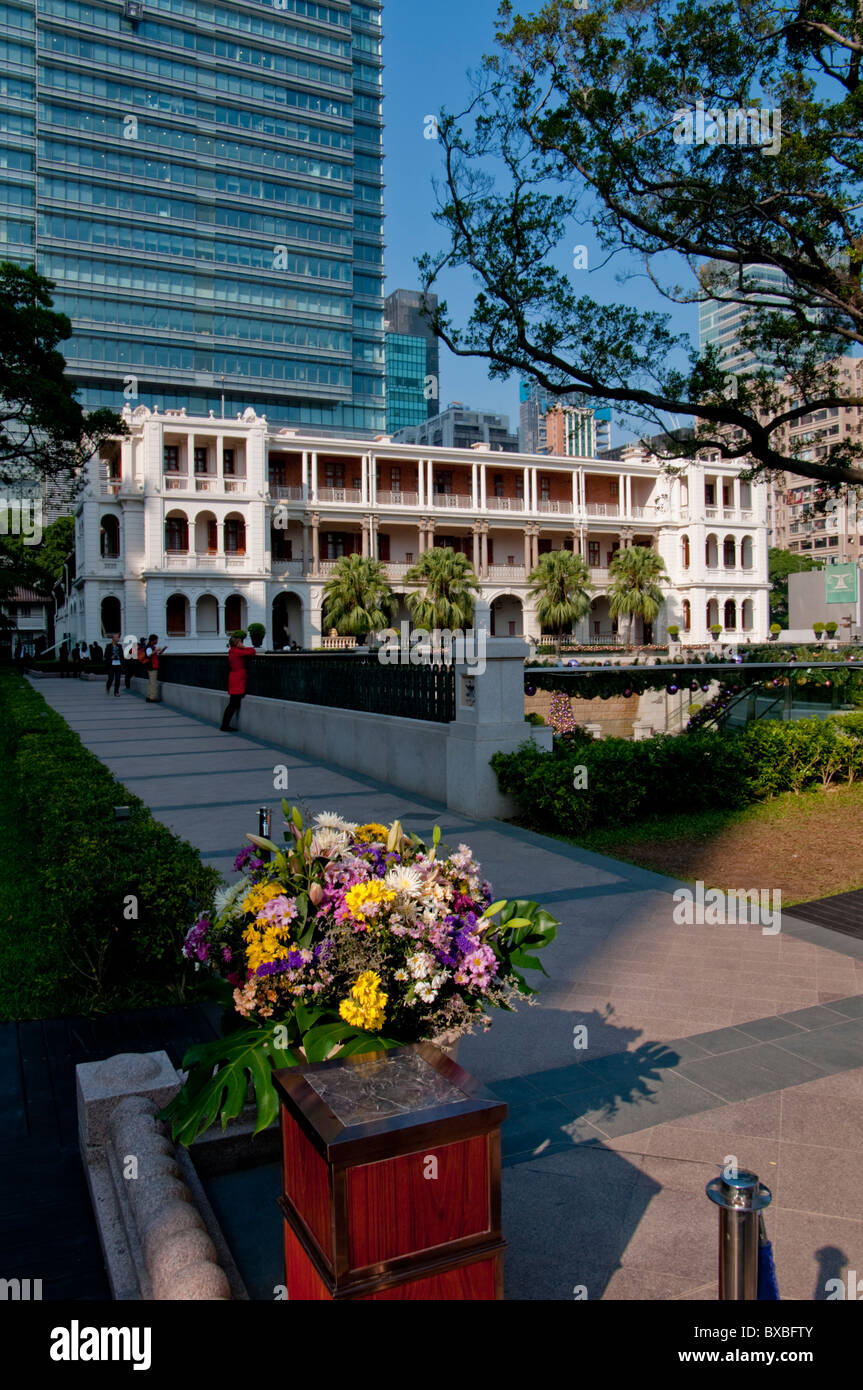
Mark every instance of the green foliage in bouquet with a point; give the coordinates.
(350, 939)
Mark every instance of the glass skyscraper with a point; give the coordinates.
(412, 361)
(204, 184)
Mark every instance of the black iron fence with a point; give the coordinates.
(358, 682)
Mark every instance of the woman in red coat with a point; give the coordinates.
(237, 675)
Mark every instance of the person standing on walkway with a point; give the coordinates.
(238, 656)
(76, 661)
(64, 660)
(114, 658)
(154, 651)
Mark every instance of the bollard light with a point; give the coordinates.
(740, 1199)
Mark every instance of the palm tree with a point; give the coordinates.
(357, 597)
(561, 585)
(635, 593)
(445, 598)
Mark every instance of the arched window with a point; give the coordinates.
(711, 552)
(235, 612)
(177, 616)
(713, 612)
(176, 533)
(687, 615)
(206, 534)
(746, 553)
(748, 615)
(235, 535)
(109, 537)
(207, 616)
(684, 551)
(111, 615)
(730, 615)
(729, 553)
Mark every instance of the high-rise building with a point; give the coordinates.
(203, 182)
(412, 361)
(535, 404)
(721, 318)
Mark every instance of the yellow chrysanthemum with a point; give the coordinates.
(371, 833)
(358, 899)
(266, 945)
(260, 895)
(366, 1007)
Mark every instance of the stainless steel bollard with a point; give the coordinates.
(740, 1199)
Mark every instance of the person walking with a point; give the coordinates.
(114, 658)
(153, 652)
(131, 666)
(237, 677)
(64, 660)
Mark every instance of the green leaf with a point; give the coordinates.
(319, 1042)
(494, 908)
(436, 835)
(218, 1081)
(296, 817)
(286, 808)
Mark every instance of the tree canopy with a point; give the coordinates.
(561, 585)
(357, 598)
(44, 432)
(447, 583)
(705, 140)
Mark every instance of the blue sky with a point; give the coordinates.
(428, 52)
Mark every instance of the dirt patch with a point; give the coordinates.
(808, 846)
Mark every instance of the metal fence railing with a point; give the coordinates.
(356, 682)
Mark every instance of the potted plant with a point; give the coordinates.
(818, 629)
(831, 629)
(673, 631)
(350, 939)
(239, 632)
(715, 630)
(257, 632)
(775, 630)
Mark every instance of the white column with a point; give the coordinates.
(533, 490)
(190, 445)
(621, 501)
(628, 493)
(313, 486)
(365, 472)
(574, 492)
(305, 473)
(430, 486)
(474, 494)
(482, 492)
(526, 503)
(736, 496)
(421, 483)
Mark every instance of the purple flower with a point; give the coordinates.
(295, 960)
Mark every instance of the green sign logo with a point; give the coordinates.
(841, 583)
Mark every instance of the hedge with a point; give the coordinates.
(116, 896)
(629, 781)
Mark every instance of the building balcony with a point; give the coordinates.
(398, 499)
(601, 509)
(452, 501)
(498, 572)
(351, 495)
(505, 504)
(218, 563)
(286, 567)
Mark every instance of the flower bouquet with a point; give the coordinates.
(350, 939)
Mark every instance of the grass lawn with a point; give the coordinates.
(25, 992)
(807, 845)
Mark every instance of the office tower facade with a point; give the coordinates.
(570, 431)
(458, 427)
(722, 318)
(412, 361)
(203, 182)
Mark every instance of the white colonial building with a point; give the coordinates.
(191, 527)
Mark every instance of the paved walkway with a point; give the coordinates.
(703, 1042)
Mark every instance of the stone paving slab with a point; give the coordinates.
(696, 1035)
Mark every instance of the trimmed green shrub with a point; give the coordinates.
(117, 896)
(629, 781)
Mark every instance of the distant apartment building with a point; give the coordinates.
(833, 531)
(535, 404)
(412, 361)
(204, 184)
(458, 427)
(194, 526)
